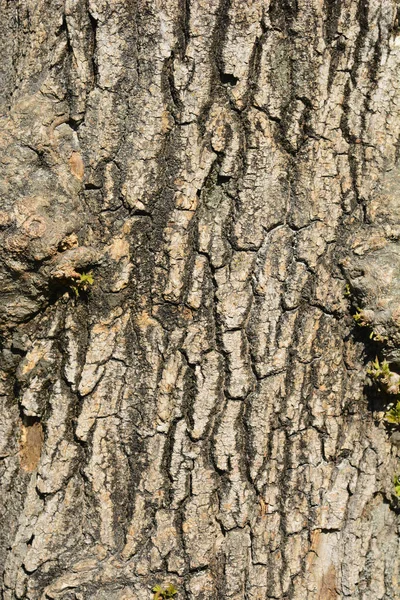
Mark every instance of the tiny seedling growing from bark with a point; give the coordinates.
(83, 283)
(387, 380)
(360, 318)
(396, 483)
(161, 593)
(364, 318)
(379, 370)
(393, 415)
(377, 337)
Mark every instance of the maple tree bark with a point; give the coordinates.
(200, 415)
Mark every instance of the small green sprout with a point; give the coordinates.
(364, 318)
(377, 337)
(379, 370)
(393, 415)
(82, 284)
(388, 380)
(347, 290)
(396, 483)
(161, 593)
(359, 318)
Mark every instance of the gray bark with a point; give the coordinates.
(201, 415)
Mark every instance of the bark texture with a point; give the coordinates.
(201, 415)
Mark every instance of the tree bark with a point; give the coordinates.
(200, 415)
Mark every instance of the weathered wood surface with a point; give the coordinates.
(201, 415)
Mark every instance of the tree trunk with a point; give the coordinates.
(196, 197)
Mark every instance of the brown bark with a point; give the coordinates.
(201, 414)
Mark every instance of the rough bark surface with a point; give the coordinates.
(201, 415)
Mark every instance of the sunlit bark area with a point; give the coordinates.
(195, 198)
